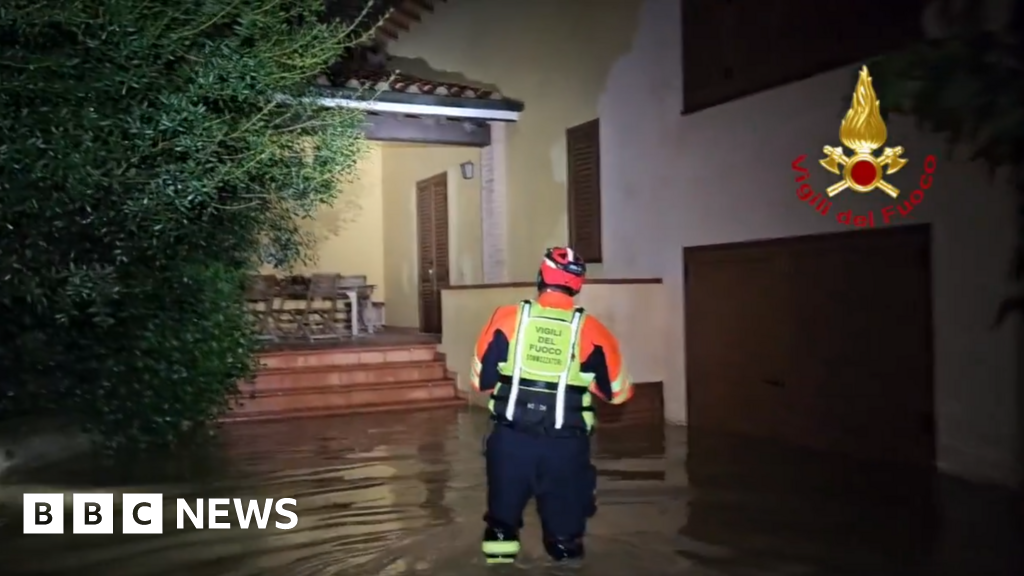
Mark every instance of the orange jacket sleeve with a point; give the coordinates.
(492, 347)
(602, 358)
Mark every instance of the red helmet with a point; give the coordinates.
(562, 269)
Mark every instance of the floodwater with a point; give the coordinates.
(403, 494)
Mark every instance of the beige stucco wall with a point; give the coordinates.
(724, 175)
(349, 234)
(464, 313)
(555, 57)
(631, 311)
(403, 166)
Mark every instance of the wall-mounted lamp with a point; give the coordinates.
(467, 170)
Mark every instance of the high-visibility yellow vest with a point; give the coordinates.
(542, 372)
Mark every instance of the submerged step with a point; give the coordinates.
(319, 412)
(288, 378)
(348, 356)
(396, 393)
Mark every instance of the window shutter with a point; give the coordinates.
(736, 48)
(583, 145)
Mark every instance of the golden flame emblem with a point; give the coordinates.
(863, 131)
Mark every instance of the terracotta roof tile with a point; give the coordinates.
(385, 81)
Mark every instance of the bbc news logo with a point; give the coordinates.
(144, 513)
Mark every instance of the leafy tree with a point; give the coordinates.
(154, 154)
(968, 84)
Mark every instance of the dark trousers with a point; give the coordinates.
(556, 471)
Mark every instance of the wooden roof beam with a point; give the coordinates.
(386, 31)
(390, 128)
(408, 13)
(396, 23)
(421, 5)
(401, 19)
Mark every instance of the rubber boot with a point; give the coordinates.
(564, 549)
(500, 545)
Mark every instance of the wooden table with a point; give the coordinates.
(298, 294)
(352, 293)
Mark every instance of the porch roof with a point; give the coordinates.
(395, 92)
(366, 77)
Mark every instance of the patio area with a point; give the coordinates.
(313, 308)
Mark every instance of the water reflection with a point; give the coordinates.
(404, 494)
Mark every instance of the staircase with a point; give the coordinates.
(347, 380)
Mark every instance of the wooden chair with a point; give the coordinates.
(377, 316)
(322, 317)
(371, 316)
(347, 287)
(259, 298)
(290, 296)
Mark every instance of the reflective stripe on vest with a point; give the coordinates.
(563, 374)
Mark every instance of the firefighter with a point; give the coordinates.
(543, 361)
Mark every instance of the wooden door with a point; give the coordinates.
(823, 341)
(865, 352)
(432, 231)
(737, 339)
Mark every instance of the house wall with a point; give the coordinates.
(464, 313)
(539, 52)
(403, 166)
(349, 234)
(724, 175)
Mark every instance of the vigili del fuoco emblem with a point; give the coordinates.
(863, 131)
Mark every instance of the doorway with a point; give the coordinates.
(432, 238)
(821, 341)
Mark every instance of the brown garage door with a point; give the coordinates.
(823, 341)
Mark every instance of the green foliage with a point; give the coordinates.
(147, 167)
(969, 86)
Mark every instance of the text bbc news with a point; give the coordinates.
(144, 513)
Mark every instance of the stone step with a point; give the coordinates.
(348, 356)
(317, 376)
(647, 407)
(322, 411)
(343, 398)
